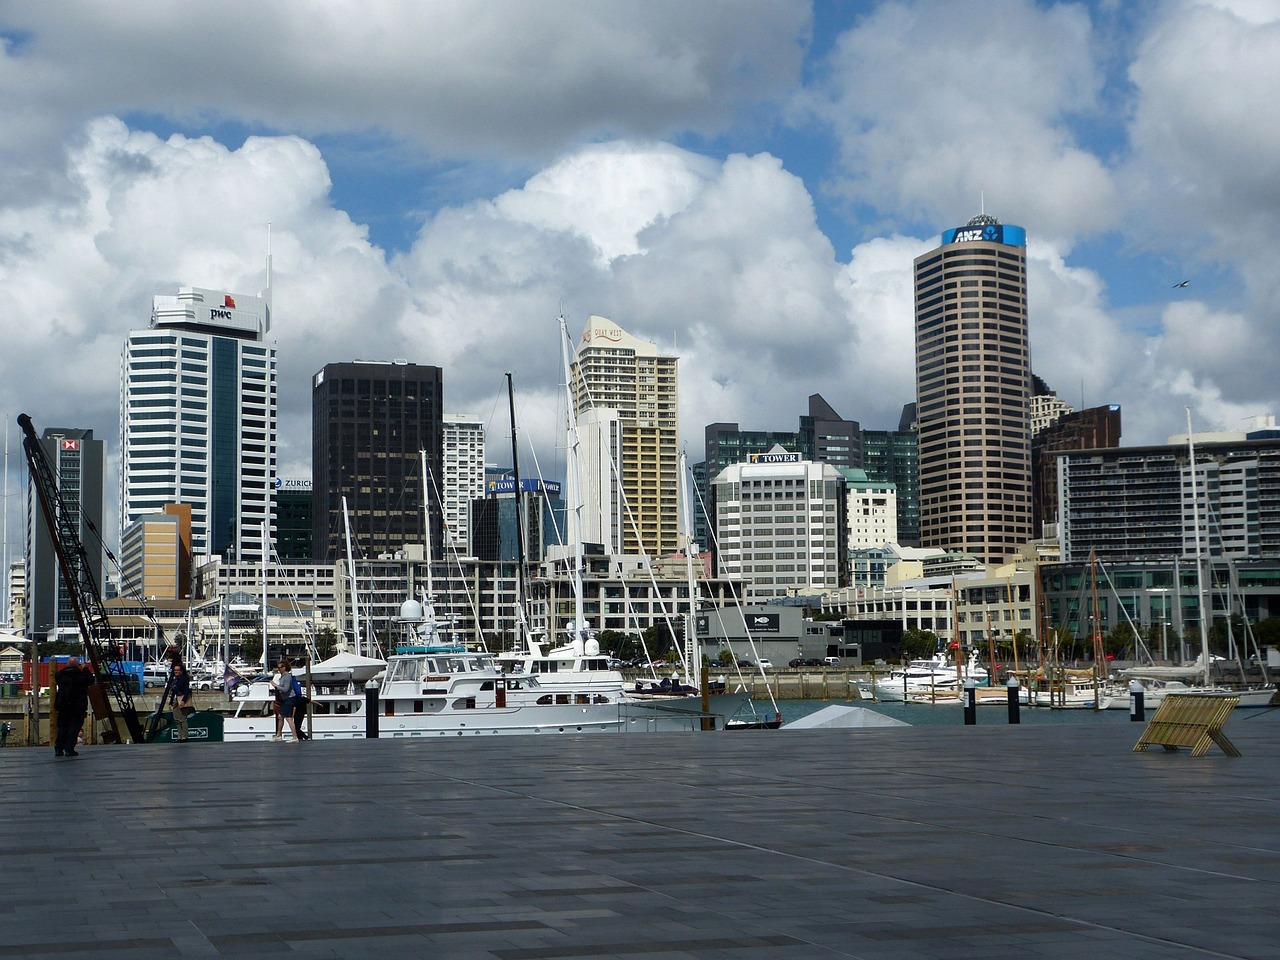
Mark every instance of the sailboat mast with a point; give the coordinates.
(692, 662)
(573, 491)
(522, 591)
(426, 526)
(351, 575)
(1195, 519)
(266, 553)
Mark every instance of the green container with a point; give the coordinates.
(203, 726)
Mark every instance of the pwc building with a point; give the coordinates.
(198, 419)
(973, 382)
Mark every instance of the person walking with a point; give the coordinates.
(71, 697)
(180, 690)
(286, 688)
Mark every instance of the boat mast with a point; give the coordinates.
(521, 586)
(573, 491)
(1096, 617)
(265, 553)
(351, 575)
(692, 662)
(1195, 519)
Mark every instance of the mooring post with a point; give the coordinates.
(970, 702)
(371, 710)
(1015, 701)
(1137, 694)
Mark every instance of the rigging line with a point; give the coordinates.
(452, 550)
(736, 593)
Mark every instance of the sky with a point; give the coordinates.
(743, 182)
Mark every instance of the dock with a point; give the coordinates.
(992, 841)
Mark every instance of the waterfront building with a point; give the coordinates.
(463, 479)
(17, 593)
(1089, 429)
(155, 555)
(872, 510)
(493, 520)
(972, 391)
(370, 422)
(892, 456)
(76, 459)
(625, 395)
(1046, 407)
(198, 418)
(294, 520)
(781, 525)
(1135, 503)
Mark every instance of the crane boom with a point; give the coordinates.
(99, 642)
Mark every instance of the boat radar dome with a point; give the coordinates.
(592, 647)
(411, 610)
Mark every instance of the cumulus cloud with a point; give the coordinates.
(934, 105)
(453, 77)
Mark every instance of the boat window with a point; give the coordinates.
(544, 699)
(487, 685)
(464, 703)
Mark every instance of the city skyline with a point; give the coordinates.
(746, 190)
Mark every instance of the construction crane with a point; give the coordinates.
(112, 695)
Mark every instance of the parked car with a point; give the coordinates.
(831, 661)
(805, 662)
(764, 664)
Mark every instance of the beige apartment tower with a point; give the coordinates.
(625, 398)
(973, 384)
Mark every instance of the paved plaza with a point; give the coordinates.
(934, 842)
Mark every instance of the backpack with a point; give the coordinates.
(296, 689)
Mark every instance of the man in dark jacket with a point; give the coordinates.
(71, 697)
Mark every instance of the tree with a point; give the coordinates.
(726, 657)
(918, 644)
(251, 645)
(326, 642)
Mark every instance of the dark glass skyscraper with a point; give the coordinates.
(370, 420)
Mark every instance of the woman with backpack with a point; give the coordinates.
(287, 690)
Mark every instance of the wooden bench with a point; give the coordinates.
(1190, 720)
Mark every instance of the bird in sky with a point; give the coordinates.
(1184, 283)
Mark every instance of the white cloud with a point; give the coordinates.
(451, 76)
(935, 105)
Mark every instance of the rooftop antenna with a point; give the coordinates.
(982, 201)
(266, 294)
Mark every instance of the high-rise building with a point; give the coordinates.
(369, 422)
(781, 525)
(892, 456)
(76, 460)
(1078, 430)
(1137, 503)
(625, 395)
(973, 382)
(494, 532)
(198, 419)
(826, 436)
(294, 515)
(463, 478)
(872, 510)
(155, 555)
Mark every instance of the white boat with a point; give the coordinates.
(922, 680)
(345, 668)
(1156, 688)
(1075, 693)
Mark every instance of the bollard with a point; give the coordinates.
(1137, 693)
(1014, 702)
(371, 710)
(970, 702)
